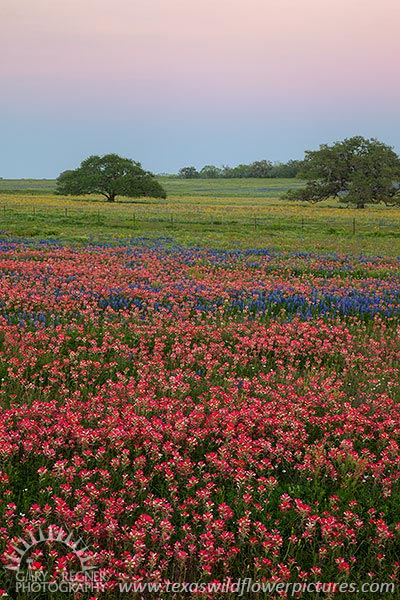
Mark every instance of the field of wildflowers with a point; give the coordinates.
(198, 414)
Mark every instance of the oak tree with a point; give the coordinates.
(110, 176)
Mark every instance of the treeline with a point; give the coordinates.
(259, 168)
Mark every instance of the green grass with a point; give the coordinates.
(229, 188)
(233, 222)
(27, 186)
(217, 188)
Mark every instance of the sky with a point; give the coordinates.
(173, 83)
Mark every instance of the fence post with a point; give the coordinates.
(354, 226)
(255, 222)
(172, 221)
(134, 220)
(302, 223)
(66, 211)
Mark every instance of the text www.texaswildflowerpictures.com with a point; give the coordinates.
(247, 585)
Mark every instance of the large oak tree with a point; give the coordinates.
(356, 170)
(109, 176)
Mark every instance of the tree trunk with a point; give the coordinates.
(360, 205)
(111, 197)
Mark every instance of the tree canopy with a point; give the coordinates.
(356, 170)
(259, 168)
(110, 176)
(188, 173)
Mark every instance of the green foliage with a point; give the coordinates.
(260, 169)
(356, 170)
(210, 172)
(109, 175)
(288, 170)
(188, 173)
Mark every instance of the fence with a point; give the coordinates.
(123, 216)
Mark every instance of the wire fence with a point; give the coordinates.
(124, 216)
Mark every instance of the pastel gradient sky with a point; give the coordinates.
(178, 82)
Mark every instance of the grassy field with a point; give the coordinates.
(205, 221)
(27, 186)
(228, 188)
(216, 188)
(224, 213)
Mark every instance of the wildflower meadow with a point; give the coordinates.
(198, 415)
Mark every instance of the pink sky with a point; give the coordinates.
(205, 49)
(182, 56)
